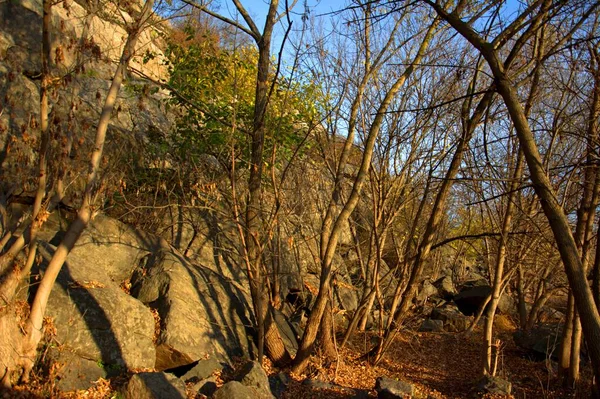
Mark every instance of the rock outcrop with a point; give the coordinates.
(155, 386)
(96, 319)
(200, 311)
(85, 46)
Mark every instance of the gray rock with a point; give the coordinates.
(114, 247)
(74, 373)
(542, 341)
(473, 278)
(288, 335)
(388, 388)
(279, 383)
(494, 385)
(427, 291)
(473, 295)
(234, 390)
(445, 287)
(454, 321)
(430, 325)
(106, 243)
(253, 375)
(206, 387)
(96, 319)
(507, 304)
(345, 294)
(203, 370)
(200, 311)
(20, 65)
(155, 386)
(470, 298)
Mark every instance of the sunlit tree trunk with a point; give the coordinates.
(34, 323)
(590, 318)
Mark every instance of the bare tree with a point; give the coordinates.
(334, 219)
(590, 318)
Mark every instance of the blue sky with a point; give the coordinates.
(258, 10)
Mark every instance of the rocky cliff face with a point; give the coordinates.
(87, 39)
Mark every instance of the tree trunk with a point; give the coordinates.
(500, 261)
(34, 325)
(559, 223)
(522, 305)
(327, 333)
(431, 227)
(332, 239)
(564, 360)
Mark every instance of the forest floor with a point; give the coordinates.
(439, 365)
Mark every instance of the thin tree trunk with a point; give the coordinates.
(522, 305)
(331, 244)
(585, 215)
(500, 261)
(590, 318)
(575, 351)
(34, 326)
(431, 227)
(564, 360)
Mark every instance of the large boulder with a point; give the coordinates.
(494, 385)
(475, 293)
(542, 342)
(470, 298)
(389, 388)
(427, 291)
(454, 321)
(202, 370)
(234, 390)
(345, 294)
(445, 287)
(155, 386)
(286, 329)
(95, 319)
(108, 244)
(253, 375)
(430, 325)
(72, 372)
(201, 313)
(82, 42)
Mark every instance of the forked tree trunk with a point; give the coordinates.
(491, 350)
(268, 333)
(521, 295)
(433, 222)
(586, 211)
